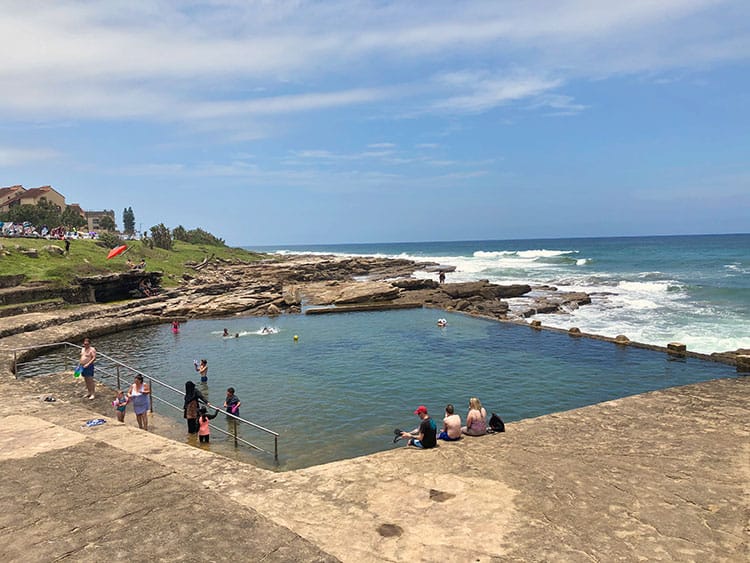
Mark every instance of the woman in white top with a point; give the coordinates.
(139, 394)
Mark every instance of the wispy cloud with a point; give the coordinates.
(483, 91)
(12, 156)
(224, 59)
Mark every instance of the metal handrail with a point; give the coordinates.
(153, 397)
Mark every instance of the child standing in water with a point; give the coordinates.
(232, 403)
(203, 429)
(202, 369)
(120, 402)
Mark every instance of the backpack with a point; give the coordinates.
(496, 423)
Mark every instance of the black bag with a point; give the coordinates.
(496, 423)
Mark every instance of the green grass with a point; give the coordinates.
(86, 258)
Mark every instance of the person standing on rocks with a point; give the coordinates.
(88, 357)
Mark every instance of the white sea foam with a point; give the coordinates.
(736, 268)
(658, 287)
(646, 306)
(544, 253)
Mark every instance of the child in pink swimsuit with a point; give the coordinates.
(203, 429)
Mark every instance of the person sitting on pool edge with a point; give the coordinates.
(476, 419)
(451, 425)
(425, 435)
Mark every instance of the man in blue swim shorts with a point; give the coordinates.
(451, 425)
(424, 436)
(88, 357)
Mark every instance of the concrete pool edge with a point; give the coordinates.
(659, 475)
(663, 472)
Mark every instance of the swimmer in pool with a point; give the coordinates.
(202, 369)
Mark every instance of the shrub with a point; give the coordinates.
(109, 240)
(162, 236)
(179, 233)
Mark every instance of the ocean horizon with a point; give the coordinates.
(694, 289)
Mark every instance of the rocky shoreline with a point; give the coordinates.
(304, 283)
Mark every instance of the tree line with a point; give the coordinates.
(52, 215)
(44, 213)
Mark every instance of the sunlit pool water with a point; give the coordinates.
(340, 389)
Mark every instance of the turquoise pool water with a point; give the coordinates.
(349, 379)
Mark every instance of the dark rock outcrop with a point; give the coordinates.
(485, 289)
(118, 286)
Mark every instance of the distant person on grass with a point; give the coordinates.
(88, 357)
(424, 436)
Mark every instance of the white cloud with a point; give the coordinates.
(212, 60)
(484, 91)
(12, 156)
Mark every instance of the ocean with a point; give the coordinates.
(692, 289)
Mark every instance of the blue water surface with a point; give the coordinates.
(693, 289)
(339, 390)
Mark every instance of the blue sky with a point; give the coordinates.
(354, 121)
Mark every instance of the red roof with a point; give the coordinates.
(32, 193)
(4, 192)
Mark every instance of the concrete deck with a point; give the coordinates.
(659, 477)
(663, 476)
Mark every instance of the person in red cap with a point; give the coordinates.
(425, 435)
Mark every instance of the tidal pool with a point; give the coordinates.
(340, 389)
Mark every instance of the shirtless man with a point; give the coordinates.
(88, 357)
(451, 425)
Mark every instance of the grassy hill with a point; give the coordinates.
(88, 258)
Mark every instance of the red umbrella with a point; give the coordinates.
(117, 250)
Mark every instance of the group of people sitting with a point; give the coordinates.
(133, 266)
(426, 434)
(146, 289)
(26, 229)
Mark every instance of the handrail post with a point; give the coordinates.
(276, 449)
(150, 391)
(235, 425)
(117, 369)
